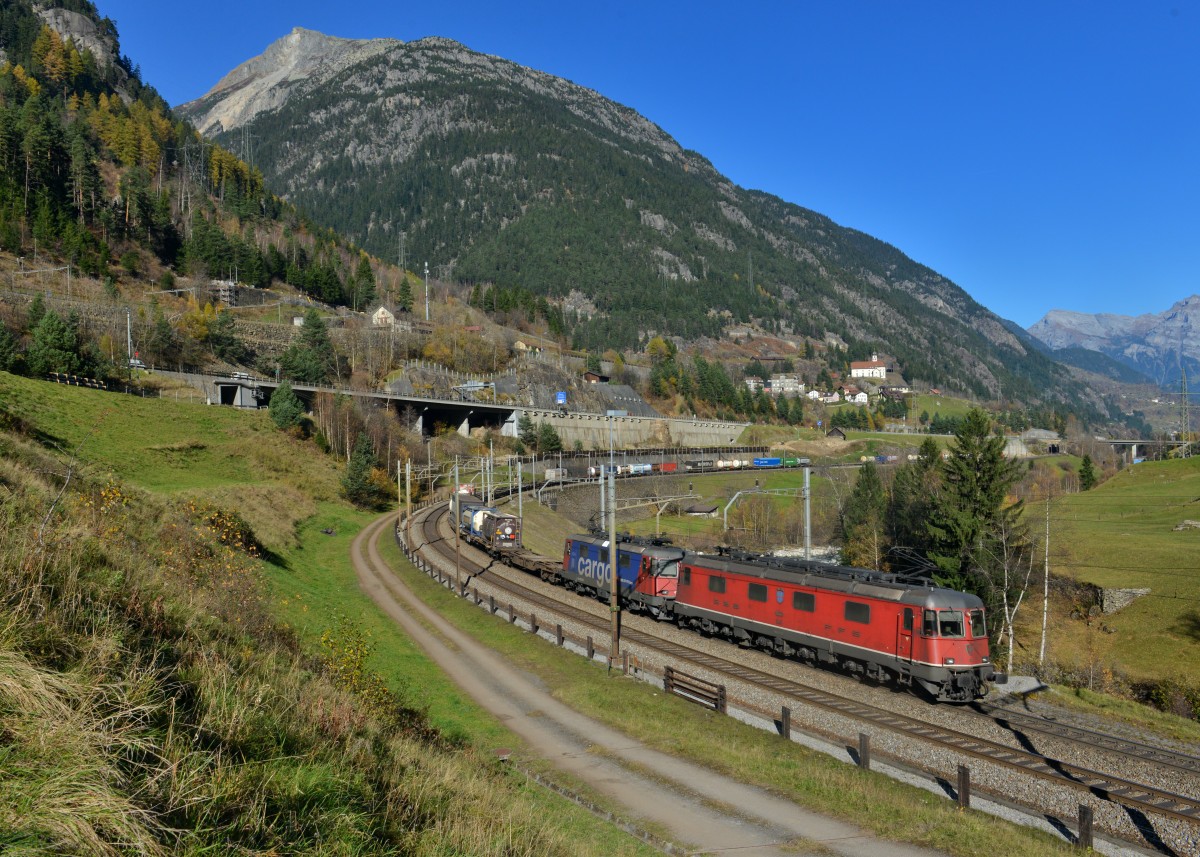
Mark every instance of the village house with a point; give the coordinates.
(384, 316)
(855, 396)
(785, 385)
(754, 383)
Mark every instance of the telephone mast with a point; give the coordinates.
(1185, 415)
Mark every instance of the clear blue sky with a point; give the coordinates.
(1041, 154)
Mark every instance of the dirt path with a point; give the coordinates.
(714, 814)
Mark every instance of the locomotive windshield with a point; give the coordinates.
(978, 629)
(950, 623)
(668, 569)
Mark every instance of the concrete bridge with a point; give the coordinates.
(1128, 449)
(592, 431)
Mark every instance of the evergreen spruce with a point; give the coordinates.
(972, 529)
(286, 409)
(310, 359)
(1087, 474)
(356, 484)
(54, 348)
(864, 540)
(548, 439)
(527, 432)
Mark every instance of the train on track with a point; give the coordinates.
(698, 465)
(869, 624)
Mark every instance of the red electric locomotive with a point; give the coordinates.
(865, 622)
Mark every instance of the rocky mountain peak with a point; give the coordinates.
(260, 84)
(1156, 344)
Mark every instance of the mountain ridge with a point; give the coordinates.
(507, 176)
(1158, 345)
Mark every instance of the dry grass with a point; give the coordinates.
(149, 702)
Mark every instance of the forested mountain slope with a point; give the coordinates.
(496, 173)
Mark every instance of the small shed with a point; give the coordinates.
(701, 510)
(836, 432)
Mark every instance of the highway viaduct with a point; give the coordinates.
(591, 430)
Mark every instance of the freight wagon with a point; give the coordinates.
(647, 574)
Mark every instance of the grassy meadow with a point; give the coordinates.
(1124, 534)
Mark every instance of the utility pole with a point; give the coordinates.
(807, 514)
(457, 524)
(614, 604)
(1045, 584)
(408, 500)
(1185, 414)
(427, 291)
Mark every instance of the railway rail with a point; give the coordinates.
(1139, 797)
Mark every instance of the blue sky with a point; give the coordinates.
(1043, 155)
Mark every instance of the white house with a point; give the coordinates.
(754, 383)
(873, 368)
(383, 317)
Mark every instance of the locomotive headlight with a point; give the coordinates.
(985, 660)
(948, 661)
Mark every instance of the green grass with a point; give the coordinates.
(947, 406)
(1114, 708)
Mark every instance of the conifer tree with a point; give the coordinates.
(863, 529)
(285, 407)
(404, 297)
(971, 526)
(1087, 474)
(310, 359)
(548, 439)
(55, 347)
(356, 484)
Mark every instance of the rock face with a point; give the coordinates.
(263, 82)
(84, 31)
(497, 173)
(1160, 346)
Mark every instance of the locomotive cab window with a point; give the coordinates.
(950, 623)
(858, 612)
(669, 569)
(908, 619)
(685, 576)
(805, 601)
(716, 584)
(930, 627)
(978, 629)
(757, 592)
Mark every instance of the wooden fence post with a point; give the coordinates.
(964, 787)
(1085, 827)
(864, 751)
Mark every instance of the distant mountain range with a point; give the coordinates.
(498, 174)
(1160, 347)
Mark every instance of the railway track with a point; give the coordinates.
(1139, 797)
(1020, 724)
